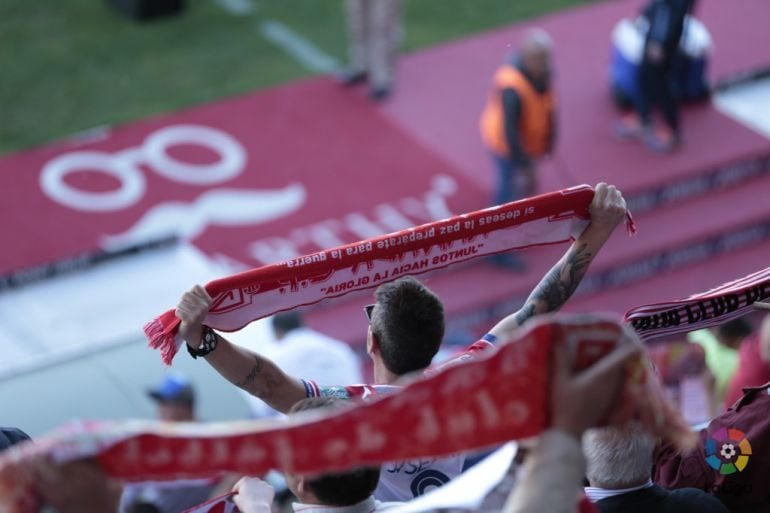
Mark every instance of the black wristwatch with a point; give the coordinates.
(209, 342)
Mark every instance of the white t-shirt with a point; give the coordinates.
(308, 353)
(403, 481)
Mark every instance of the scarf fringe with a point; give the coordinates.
(630, 224)
(161, 335)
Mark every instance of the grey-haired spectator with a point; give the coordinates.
(619, 470)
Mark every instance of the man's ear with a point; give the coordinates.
(372, 344)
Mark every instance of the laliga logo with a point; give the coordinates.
(229, 207)
(728, 451)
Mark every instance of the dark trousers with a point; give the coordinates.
(657, 87)
(507, 189)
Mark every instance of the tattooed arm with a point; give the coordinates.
(607, 209)
(245, 369)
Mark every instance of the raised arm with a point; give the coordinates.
(607, 209)
(245, 369)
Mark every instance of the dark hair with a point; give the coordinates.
(739, 328)
(339, 489)
(408, 321)
(287, 321)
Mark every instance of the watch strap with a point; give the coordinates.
(209, 341)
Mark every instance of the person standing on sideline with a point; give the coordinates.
(517, 124)
(373, 33)
(657, 78)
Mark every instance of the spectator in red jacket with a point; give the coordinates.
(731, 459)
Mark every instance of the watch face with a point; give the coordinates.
(210, 339)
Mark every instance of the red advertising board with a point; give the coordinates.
(252, 180)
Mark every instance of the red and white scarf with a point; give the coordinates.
(497, 396)
(221, 504)
(240, 299)
(711, 308)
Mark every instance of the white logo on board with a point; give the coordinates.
(225, 206)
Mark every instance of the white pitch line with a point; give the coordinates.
(302, 50)
(237, 7)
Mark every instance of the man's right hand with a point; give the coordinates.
(607, 208)
(192, 310)
(580, 400)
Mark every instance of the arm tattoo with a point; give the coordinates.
(557, 285)
(249, 379)
(527, 311)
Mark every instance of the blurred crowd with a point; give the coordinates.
(717, 378)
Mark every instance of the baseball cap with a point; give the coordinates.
(174, 388)
(11, 436)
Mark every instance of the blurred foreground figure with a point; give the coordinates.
(553, 472)
(77, 487)
(349, 491)
(11, 436)
(74, 487)
(373, 32)
(517, 124)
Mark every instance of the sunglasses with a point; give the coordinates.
(368, 312)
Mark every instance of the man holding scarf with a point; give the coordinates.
(406, 330)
